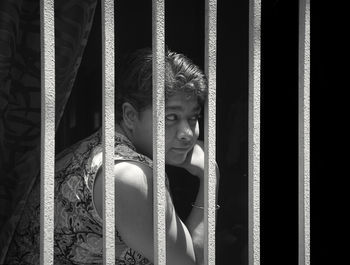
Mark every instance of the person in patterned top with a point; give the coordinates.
(78, 177)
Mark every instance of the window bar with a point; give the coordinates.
(254, 131)
(210, 132)
(108, 84)
(47, 39)
(158, 68)
(304, 132)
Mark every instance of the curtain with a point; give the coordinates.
(20, 93)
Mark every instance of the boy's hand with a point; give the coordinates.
(194, 162)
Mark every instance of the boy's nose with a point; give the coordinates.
(184, 132)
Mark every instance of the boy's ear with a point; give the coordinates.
(130, 115)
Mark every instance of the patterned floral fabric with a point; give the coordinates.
(78, 227)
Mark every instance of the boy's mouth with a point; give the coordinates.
(180, 150)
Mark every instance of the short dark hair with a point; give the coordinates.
(134, 79)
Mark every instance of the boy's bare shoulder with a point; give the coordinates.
(133, 186)
(133, 175)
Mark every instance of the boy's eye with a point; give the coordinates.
(171, 117)
(195, 117)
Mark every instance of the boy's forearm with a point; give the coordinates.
(195, 221)
(195, 225)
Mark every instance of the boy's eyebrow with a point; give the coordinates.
(197, 108)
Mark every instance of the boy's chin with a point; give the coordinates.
(177, 160)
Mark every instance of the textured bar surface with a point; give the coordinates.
(254, 131)
(304, 132)
(210, 131)
(158, 45)
(47, 36)
(108, 84)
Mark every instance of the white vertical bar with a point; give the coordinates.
(210, 131)
(254, 131)
(108, 85)
(47, 38)
(304, 132)
(158, 44)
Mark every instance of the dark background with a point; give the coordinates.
(279, 132)
(329, 130)
(279, 117)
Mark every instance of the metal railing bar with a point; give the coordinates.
(158, 48)
(47, 38)
(254, 131)
(108, 126)
(210, 131)
(304, 132)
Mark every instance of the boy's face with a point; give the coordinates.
(181, 128)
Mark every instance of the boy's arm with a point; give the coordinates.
(134, 215)
(195, 221)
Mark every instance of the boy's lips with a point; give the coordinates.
(180, 150)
